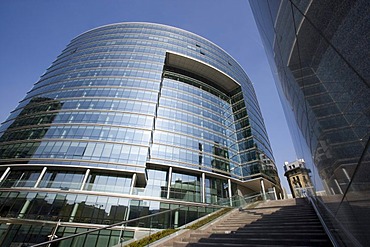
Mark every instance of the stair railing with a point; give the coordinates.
(234, 201)
(313, 201)
(122, 223)
(125, 223)
(239, 201)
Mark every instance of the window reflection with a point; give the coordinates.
(185, 187)
(109, 183)
(62, 180)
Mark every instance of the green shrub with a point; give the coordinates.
(204, 221)
(158, 235)
(152, 238)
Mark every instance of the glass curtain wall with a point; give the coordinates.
(118, 128)
(317, 50)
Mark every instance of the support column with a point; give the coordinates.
(75, 207)
(343, 169)
(169, 182)
(274, 189)
(133, 182)
(203, 187)
(28, 202)
(74, 211)
(24, 209)
(127, 212)
(40, 177)
(339, 188)
(87, 173)
(176, 219)
(263, 190)
(230, 195)
(5, 173)
(332, 191)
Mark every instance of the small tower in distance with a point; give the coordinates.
(298, 177)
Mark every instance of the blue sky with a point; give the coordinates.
(33, 33)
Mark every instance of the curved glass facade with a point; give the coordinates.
(318, 52)
(133, 114)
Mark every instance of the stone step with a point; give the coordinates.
(272, 224)
(271, 227)
(265, 230)
(268, 241)
(289, 231)
(283, 214)
(242, 220)
(308, 219)
(275, 220)
(272, 235)
(245, 217)
(289, 214)
(228, 245)
(281, 227)
(298, 215)
(252, 244)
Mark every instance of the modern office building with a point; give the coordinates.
(319, 52)
(129, 120)
(299, 178)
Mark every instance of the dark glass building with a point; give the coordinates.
(319, 52)
(131, 119)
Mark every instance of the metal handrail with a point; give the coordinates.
(326, 228)
(230, 200)
(313, 201)
(106, 227)
(140, 218)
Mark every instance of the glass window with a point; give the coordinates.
(20, 179)
(62, 180)
(109, 183)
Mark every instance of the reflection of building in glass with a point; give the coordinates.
(30, 123)
(298, 178)
(318, 51)
(132, 119)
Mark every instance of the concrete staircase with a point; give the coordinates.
(291, 222)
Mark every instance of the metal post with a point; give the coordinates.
(24, 209)
(274, 189)
(263, 190)
(176, 220)
(133, 182)
(5, 173)
(85, 179)
(332, 191)
(339, 188)
(73, 214)
(169, 182)
(230, 195)
(346, 174)
(203, 187)
(127, 212)
(38, 181)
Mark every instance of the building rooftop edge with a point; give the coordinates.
(165, 25)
